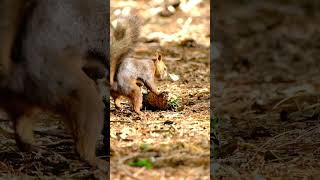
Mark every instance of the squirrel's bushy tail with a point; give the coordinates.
(125, 36)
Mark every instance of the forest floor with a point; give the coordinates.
(54, 158)
(176, 144)
(266, 90)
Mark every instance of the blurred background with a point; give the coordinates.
(266, 89)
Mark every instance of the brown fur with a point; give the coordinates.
(47, 76)
(125, 36)
(10, 18)
(80, 107)
(23, 114)
(131, 74)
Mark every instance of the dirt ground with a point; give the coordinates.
(266, 88)
(175, 143)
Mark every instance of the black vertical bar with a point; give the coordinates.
(106, 99)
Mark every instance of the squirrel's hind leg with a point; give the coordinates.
(136, 98)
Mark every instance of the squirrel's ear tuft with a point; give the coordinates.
(159, 56)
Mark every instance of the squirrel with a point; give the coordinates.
(46, 68)
(123, 39)
(48, 61)
(125, 36)
(132, 74)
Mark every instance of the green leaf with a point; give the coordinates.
(141, 163)
(144, 147)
